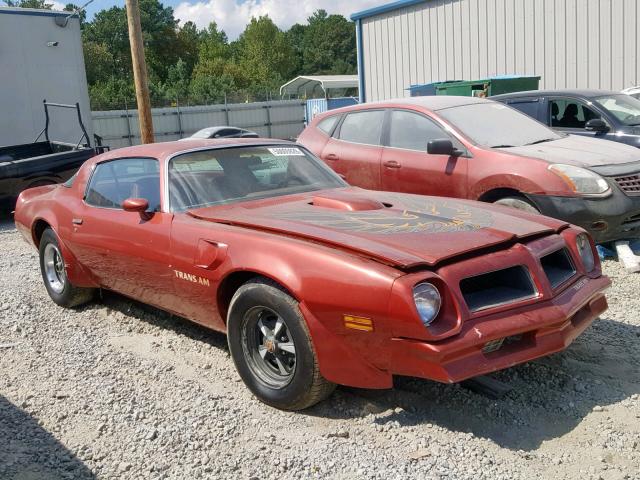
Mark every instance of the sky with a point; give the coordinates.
(233, 15)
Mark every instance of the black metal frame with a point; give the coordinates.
(45, 130)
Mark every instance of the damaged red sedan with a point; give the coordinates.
(316, 283)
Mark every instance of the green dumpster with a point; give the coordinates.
(488, 86)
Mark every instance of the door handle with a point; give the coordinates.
(77, 221)
(391, 164)
(333, 156)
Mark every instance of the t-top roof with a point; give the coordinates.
(325, 82)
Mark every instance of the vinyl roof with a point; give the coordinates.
(309, 83)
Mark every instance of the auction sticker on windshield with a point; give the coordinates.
(286, 152)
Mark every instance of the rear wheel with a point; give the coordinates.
(271, 347)
(520, 203)
(54, 274)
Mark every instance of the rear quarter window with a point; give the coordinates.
(327, 125)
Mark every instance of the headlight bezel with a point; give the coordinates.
(569, 173)
(584, 248)
(427, 289)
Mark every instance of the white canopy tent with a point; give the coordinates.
(309, 85)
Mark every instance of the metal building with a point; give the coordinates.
(569, 43)
(41, 58)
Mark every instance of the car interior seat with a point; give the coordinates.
(570, 117)
(554, 113)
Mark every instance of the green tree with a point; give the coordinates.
(71, 7)
(178, 80)
(295, 37)
(265, 54)
(109, 27)
(329, 45)
(189, 39)
(29, 4)
(98, 62)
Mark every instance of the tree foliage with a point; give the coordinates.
(190, 65)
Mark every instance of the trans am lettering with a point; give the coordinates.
(189, 277)
(406, 216)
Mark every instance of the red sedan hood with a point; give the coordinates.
(397, 229)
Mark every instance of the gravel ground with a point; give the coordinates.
(120, 390)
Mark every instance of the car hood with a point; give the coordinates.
(397, 229)
(579, 151)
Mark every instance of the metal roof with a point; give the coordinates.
(35, 12)
(325, 82)
(387, 7)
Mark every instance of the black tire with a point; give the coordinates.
(56, 282)
(302, 386)
(519, 203)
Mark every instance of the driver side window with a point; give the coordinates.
(114, 181)
(413, 131)
(570, 113)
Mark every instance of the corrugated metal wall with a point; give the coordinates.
(275, 119)
(569, 43)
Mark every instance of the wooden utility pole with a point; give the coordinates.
(139, 71)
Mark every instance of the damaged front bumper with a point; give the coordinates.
(607, 219)
(505, 339)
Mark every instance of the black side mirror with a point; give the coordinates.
(442, 146)
(596, 125)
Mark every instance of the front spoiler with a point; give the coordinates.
(544, 329)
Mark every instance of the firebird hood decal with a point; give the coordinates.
(411, 230)
(428, 215)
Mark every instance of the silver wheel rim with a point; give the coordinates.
(268, 347)
(54, 268)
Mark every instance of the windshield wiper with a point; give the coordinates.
(502, 146)
(541, 141)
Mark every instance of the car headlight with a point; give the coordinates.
(585, 251)
(428, 301)
(580, 180)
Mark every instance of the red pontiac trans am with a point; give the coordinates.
(316, 283)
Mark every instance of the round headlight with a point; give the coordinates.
(585, 251)
(580, 180)
(427, 300)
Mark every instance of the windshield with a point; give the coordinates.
(493, 124)
(624, 107)
(228, 175)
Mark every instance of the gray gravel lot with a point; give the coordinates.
(120, 390)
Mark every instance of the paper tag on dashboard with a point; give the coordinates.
(286, 152)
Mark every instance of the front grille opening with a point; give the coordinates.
(629, 184)
(497, 288)
(495, 345)
(558, 267)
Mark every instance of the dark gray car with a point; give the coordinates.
(591, 113)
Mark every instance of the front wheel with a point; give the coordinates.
(519, 203)
(54, 274)
(271, 347)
